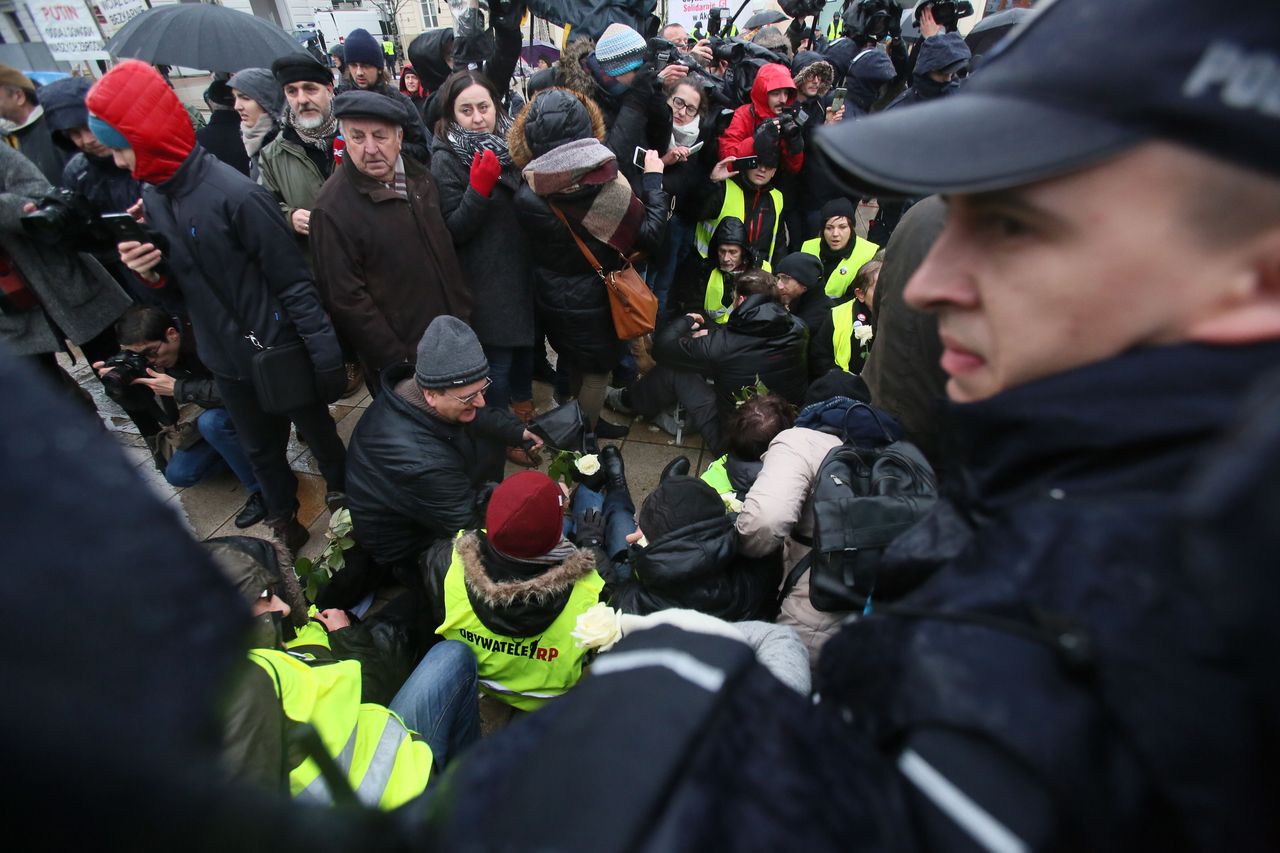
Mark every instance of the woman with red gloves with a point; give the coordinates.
(478, 182)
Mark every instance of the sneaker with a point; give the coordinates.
(253, 511)
(606, 430)
(667, 422)
(613, 399)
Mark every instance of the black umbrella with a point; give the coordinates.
(201, 35)
(764, 19)
(987, 32)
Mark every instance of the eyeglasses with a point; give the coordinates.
(471, 398)
(680, 105)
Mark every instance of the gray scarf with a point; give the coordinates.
(254, 136)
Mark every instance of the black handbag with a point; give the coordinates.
(282, 376)
(562, 428)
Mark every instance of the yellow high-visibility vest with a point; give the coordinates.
(842, 276)
(735, 204)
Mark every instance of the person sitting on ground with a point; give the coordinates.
(423, 452)
(841, 251)
(387, 754)
(800, 288)
(685, 555)
(750, 428)
(176, 376)
(513, 591)
(707, 287)
(761, 343)
(602, 514)
(844, 339)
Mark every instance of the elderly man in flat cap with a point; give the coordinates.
(382, 253)
(29, 133)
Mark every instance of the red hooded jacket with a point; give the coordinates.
(738, 140)
(134, 99)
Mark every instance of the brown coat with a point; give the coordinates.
(385, 267)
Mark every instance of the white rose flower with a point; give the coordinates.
(863, 333)
(732, 503)
(587, 465)
(599, 628)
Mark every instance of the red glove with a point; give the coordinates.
(485, 170)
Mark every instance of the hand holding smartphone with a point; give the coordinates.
(741, 164)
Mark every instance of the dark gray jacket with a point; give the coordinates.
(239, 269)
(492, 248)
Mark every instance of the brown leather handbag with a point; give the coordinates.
(633, 305)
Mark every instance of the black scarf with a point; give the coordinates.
(466, 143)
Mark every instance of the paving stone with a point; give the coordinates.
(647, 432)
(212, 503)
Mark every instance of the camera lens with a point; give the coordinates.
(48, 225)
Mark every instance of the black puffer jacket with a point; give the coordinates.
(761, 340)
(413, 478)
(511, 597)
(571, 300)
(492, 247)
(698, 567)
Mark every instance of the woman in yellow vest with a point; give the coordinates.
(841, 251)
(513, 592)
(296, 720)
(844, 340)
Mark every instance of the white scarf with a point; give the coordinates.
(685, 135)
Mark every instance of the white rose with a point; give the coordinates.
(599, 628)
(731, 503)
(587, 465)
(863, 333)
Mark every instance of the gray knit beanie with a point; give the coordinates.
(449, 355)
(260, 84)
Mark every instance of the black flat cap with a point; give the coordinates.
(296, 67)
(361, 103)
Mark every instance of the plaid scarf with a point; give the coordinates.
(317, 137)
(611, 213)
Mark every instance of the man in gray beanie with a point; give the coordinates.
(423, 458)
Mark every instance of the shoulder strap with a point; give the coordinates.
(582, 247)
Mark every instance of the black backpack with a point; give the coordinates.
(863, 498)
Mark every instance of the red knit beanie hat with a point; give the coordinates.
(524, 519)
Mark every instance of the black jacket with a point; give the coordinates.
(237, 265)
(413, 479)
(761, 340)
(511, 597)
(759, 216)
(571, 300)
(492, 247)
(698, 567)
(813, 308)
(221, 138)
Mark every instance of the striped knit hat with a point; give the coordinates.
(620, 49)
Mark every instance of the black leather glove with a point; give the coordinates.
(793, 134)
(766, 141)
(645, 85)
(331, 383)
(590, 529)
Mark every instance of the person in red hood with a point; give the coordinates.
(762, 123)
(244, 281)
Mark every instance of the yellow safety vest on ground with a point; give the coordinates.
(842, 276)
(523, 672)
(385, 763)
(713, 307)
(735, 204)
(843, 322)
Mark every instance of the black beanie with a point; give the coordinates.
(837, 383)
(801, 266)
(839, 207)
(676, 503)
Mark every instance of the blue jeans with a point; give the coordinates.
(662, 274)
(619, 516)
(511, 369)
(220, 446)
(440, 701)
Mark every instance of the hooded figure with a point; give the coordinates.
(718, 294)
(740, 139)
(556, 140)
(691, 559)
(940, 59)
(431, 55)
(260, 86)
(839, 263)
(868, 73)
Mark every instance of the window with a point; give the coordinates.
(430, 16)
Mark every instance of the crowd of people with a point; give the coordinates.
(970, 568)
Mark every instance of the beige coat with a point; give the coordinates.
(779, 502)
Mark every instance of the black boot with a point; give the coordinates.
(678, 467)
(614, 471)
(253, 511)
(290, 532)
(606, 430)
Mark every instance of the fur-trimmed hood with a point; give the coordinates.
(537, 590)
(570, 72)
(531, 121)
(822, 70)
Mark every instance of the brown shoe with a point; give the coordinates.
(290, 532)
(355, 379)
(524, 411)
(524, 458)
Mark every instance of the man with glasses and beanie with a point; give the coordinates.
(423, 456)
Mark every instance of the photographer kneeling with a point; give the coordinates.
(157, 357)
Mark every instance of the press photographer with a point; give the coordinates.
(158, 362)
(868, 25)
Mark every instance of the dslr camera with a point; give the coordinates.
(66, 218)
(873, 20)
(125, 366)
(948, 13)
(802, 8)
(661, 53)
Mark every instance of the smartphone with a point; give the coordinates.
(837, 103)
(638, 157)
(741, 164)
(125, 228)
(695, 147)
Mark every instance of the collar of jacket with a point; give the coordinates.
(440, 428)
(1135, 424)
(760, 317)
(189, 174)
(376, 190)
(685, 555)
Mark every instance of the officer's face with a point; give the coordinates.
(1041, 279)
